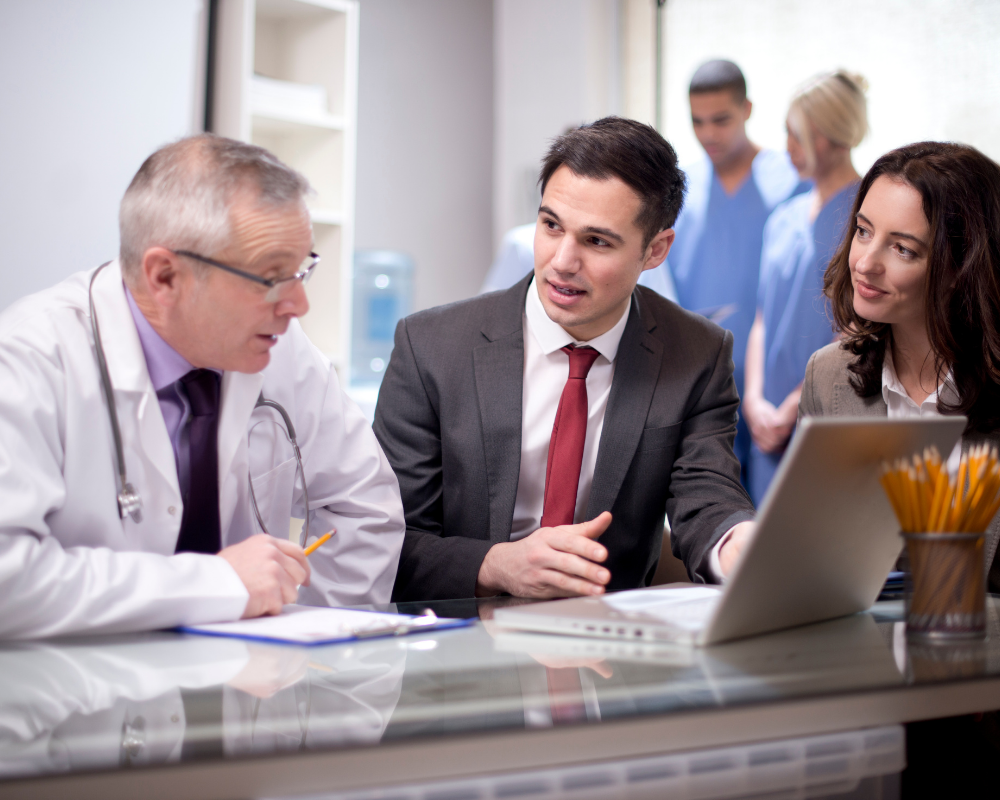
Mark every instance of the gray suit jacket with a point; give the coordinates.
(449, 420)
(826, 392)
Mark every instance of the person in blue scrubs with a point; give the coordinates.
(715, 259)
(827, 118)
(516, 258)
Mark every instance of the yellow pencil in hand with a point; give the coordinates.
(321, 540)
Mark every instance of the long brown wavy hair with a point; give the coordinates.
(960, 188)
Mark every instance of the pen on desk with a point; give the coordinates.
(322, 539)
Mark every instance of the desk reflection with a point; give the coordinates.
(108, 703)
(484, 678)
(162, 698)
(848, 654)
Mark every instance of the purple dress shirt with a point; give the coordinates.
(166, 367)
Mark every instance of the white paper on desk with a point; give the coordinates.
(685, 607)
(305, 625)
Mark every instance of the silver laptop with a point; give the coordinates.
(826, 540)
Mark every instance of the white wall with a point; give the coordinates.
(89, 89)
(556, 65)
(638, 55)
(933, 65)
(425, 140)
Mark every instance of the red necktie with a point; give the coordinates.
(569, 433)
(565, 695)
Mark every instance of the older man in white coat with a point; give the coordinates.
(198, 323)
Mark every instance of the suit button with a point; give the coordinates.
(171, 510)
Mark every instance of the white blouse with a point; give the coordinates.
(902, 406)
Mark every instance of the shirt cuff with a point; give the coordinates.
(713, 558)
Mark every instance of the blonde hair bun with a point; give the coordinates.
(856, 78)
(835, 104)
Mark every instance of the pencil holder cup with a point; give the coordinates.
(945, 586)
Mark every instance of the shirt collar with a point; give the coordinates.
(551, 336)
(165, 365)
(892, 385)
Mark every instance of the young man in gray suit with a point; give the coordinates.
(523, 425)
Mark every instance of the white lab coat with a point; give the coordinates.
(69, 564)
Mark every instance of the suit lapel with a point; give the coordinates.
(637, 369)
(846, 403)
(499, 371)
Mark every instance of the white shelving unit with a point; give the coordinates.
(286, 78)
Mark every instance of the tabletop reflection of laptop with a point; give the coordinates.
(826, 539)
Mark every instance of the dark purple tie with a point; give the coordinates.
(200, 528)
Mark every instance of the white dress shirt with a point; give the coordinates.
(546, 369)
(902, 406)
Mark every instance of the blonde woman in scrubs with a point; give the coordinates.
(827, 118)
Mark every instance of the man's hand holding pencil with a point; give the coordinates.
(271, 569)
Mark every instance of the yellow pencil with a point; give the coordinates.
(903, 493)
(913, 490)
(322, 539)
(953, 515)
(939, 498)
(984, 511)
(973, 498)
(988, 515)
(926, 499)
(937, 524)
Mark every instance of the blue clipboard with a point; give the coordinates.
(308, 626)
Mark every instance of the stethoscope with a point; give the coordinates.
(129, 501)
(289, 431)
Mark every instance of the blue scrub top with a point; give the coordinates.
(715, 259)
(516, 258)
(797, 320)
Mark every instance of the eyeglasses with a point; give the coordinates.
(278, 288)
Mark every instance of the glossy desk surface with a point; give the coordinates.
(170, 715)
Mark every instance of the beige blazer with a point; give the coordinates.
(827, 392)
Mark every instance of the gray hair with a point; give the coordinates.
(181, 195)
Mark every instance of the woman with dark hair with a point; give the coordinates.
(915, 294)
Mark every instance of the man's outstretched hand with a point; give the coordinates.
(271, 569)
(730, 552)
(552, 562)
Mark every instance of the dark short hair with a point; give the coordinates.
(631, 151)
(719, 76)
(960, 190)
